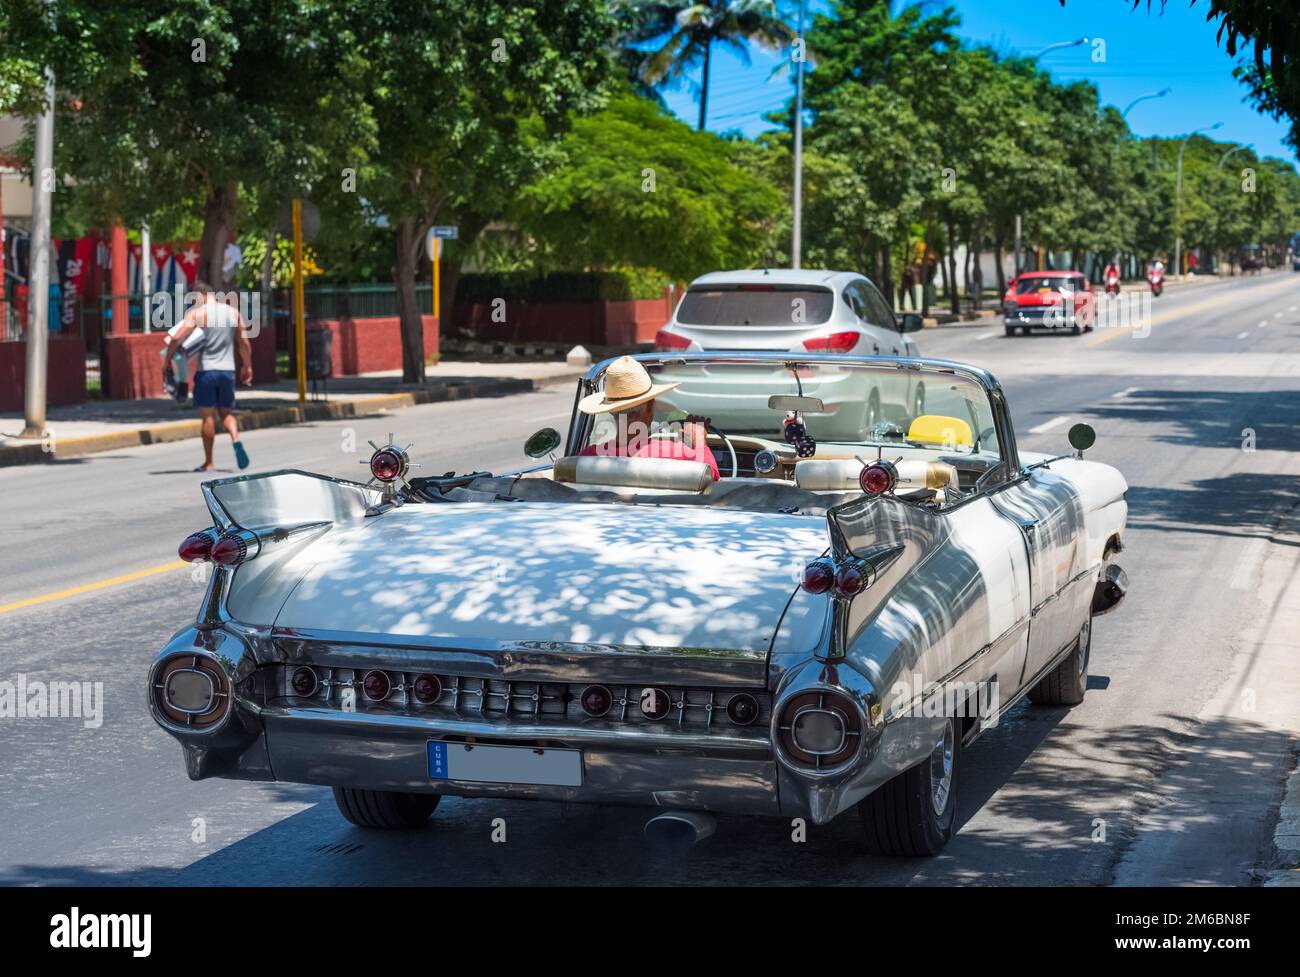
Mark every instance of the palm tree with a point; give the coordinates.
(678, 36)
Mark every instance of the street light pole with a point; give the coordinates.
(38, 313)
(1178, 200)
(796, 233)
(1235, 149)
(1142, 98)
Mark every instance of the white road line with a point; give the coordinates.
(1290, 308)
(1277, 315)
(1263, 323)
(985, 335)
(1048, 425)
(1123, 393)
(1242, 335)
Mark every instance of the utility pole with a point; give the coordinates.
(796, 235)
(38, 314)
(146, 272)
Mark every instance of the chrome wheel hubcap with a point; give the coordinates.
(941, 770)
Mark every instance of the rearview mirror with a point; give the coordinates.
(543, 443)
(911, 322)
(804, 405)
(1082, 437)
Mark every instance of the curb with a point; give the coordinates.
(75, 447)
(1286, 835)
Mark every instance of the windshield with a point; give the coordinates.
(861, 405)
(755, 305)
(1055, 283)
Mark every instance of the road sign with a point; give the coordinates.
(310, 221)
(447, 233)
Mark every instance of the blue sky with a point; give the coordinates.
(1144, 52)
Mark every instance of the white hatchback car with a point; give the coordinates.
(784, 310)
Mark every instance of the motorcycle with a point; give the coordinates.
(1112, 284)
(1156, 277)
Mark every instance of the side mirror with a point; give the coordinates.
(1082, 437)
(911, 322)
(543, 443)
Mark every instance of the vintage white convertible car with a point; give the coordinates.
(825, 626)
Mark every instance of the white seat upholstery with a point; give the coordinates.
(842, 475)
(670, 474)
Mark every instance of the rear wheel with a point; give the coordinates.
(385, 809)
(914, 813)
(1066, 684)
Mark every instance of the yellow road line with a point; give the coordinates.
(1202, 306)
(88, 587)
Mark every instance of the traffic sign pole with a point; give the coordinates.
(437, 284)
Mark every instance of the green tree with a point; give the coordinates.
(468, 100)
(634, 186)
(191, 103)
(678, 37)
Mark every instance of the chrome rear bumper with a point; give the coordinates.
(379, 752)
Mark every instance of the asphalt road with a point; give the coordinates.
(1170, 772)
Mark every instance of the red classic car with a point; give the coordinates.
(1049, 300)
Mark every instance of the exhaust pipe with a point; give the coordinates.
(680, 829)
(1110, 591)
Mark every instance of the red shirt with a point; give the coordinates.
(657, 448)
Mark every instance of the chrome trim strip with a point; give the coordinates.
(636, 738)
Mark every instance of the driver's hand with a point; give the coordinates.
(694, 432)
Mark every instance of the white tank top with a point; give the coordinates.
(219, 334)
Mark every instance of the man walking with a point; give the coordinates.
(223, 331)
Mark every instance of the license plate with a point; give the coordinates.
(487, 764)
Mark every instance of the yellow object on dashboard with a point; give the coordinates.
(940, 429)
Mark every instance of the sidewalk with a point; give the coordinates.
(108, 425)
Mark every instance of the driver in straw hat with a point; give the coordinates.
(630, 394)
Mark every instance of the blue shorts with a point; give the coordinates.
(214, 388)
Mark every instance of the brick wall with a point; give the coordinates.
(65, 381)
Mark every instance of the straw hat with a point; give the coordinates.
(627, 385)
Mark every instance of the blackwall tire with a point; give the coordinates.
(385, 809)
(1067, 683)
(906, 816)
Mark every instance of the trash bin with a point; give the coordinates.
(320, 360)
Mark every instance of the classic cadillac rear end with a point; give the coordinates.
(619, 654)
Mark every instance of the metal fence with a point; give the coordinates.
(93, 318)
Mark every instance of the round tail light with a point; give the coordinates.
(229, 550)
(596, 701)
(376, 685)
(427, 689)
(388, 464)
(655, 703)
(878, 478)
(191, 691)
(850, 580)
(820, 728)
(304, 682)
(196, 547)
(818, 576)
(742, 709)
